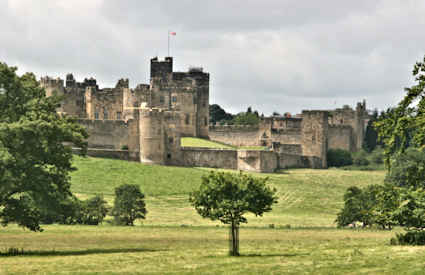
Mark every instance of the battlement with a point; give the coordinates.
(51, 82)
(161, 68)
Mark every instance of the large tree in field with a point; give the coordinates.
(34, 162)
(227, 197)
(404, 126)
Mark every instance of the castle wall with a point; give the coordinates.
(257, 161)
(235, 135)
(214, 158)
(341, 137)
(109, 134)
(287, 136)
(105, 153)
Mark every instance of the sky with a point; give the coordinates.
(272, 55)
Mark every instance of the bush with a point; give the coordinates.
(377, 156)
(338, 158)
(75, 211)
(360, 158)
(414, 237)
(129, 204)
(93, 210)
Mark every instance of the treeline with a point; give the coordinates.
(219, 115)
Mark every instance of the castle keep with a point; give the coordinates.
(146, 123)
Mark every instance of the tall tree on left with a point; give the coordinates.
(34, 160)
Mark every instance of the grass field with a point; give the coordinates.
(174, 239)
(204, 143)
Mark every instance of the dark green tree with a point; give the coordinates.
(371, 134)
(93, 210)
(129, 204)
(34, 162)
(218, 114)
(227, 197)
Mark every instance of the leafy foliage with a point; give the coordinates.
(227, 197)
(404, 126)
(247, 118)
(129, 204)
(408, 169)
(34, 162)
(338, 158)
(372, 205)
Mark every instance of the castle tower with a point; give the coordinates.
(314, 132)
(152, 140)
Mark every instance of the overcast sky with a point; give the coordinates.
(273, 55)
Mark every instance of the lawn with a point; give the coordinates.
(298, 236)
(205, 143)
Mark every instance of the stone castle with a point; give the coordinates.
(146, 123)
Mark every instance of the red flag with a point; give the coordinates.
(173, 33)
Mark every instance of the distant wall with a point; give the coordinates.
(341, 137)
(214, 158)
(291, 161)
(105, 153)
(293, 149)
(235, 135)
(287, 136)
(109, 134)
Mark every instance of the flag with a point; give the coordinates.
(173, 33)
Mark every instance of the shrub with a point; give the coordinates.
(413, 237)
(93, 210)
(360, 158)
(124, 147)
(377, 156)
(339, 157)
(129, 204)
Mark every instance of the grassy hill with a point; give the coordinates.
(174, 239)
(306, 197)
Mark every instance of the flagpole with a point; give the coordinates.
(168, 35)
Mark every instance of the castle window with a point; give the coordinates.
(170, 140)
(205, 121)
(204, 104)
(187, 119)
(96, 115)
(118, 115)
(105, 113)
(174, 98)
(161, 99)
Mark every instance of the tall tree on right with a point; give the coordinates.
(405, 125)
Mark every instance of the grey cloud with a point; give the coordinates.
(271, 55)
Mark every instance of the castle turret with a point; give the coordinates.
(152, 147)
(161, 68)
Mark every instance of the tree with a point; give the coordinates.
(246, 119)
(34, 160)
(218, 114)
(371, 135)
(227, 197)
(405, 125)
(129, 204)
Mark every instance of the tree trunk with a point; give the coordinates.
(234, 232)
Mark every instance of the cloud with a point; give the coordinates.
(273, 55)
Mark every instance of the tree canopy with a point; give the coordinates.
(227, 197)
(34, 160)
(404, 126)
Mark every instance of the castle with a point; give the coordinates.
(146, 123)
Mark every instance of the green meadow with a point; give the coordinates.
(298, 236)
